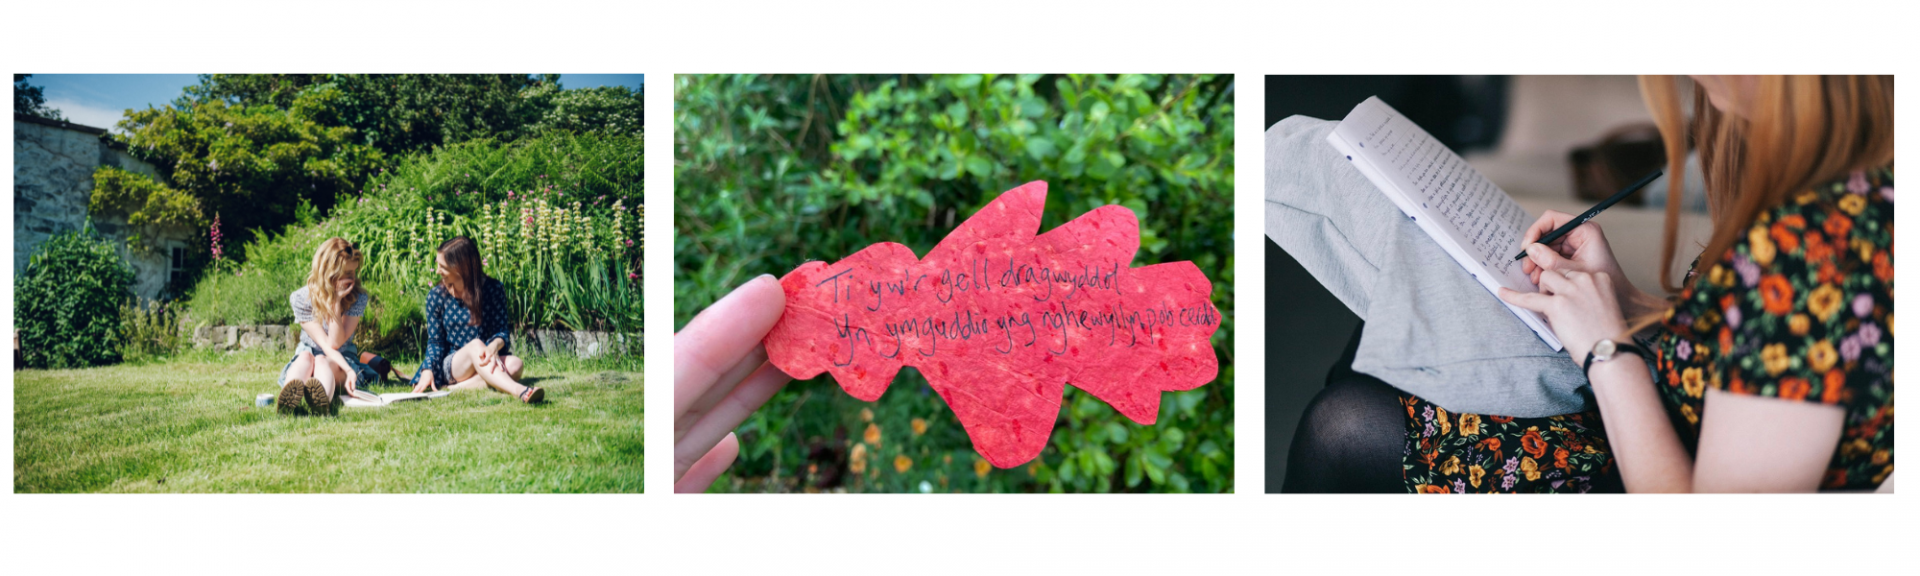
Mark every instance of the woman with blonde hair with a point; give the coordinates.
(328, 309)
(1769, 368)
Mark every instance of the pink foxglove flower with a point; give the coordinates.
(215, 233)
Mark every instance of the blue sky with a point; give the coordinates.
(99, 100)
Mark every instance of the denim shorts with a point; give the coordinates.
(352, 354)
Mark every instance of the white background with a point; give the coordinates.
(659, 531)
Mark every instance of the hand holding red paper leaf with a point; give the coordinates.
(998, 320)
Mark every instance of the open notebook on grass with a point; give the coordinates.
(1474, 221)
(365, 399)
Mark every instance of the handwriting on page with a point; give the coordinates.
(999, 320)
(965, 310)
(1485, 221)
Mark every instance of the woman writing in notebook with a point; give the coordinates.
(1771, 367)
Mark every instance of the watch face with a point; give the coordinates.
(1603, 350)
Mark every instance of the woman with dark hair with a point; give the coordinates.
(467, 336)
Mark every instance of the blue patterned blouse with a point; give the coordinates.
(448, 330)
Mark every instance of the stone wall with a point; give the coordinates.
(247, 337)
(53, 164)
(579, 343)
(538, 343)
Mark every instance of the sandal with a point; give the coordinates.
(533, 395)
(291, 395)
(318, 399)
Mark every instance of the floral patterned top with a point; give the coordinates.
(448, 326)
(1802, 310)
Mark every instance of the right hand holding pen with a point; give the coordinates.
(1583, 249)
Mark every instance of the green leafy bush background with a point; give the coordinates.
(249, 164)
(773, 171)
(578, 270)
(68, 301)
(548, 180)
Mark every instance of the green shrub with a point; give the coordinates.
(142, 199)
(606, 109)
(251, 165)
(148, 330)
(771, 172)
(68, 301)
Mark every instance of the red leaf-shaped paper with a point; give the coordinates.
(999, 320)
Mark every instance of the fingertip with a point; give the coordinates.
(1511, 297)
(772, 285)
(710, 466)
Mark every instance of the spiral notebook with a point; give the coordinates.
(1473, 220)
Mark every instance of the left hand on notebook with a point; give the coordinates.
(1581, 307)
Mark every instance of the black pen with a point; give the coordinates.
(1590, 213)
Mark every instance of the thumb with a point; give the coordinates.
(1543, 256)
(1534, 301)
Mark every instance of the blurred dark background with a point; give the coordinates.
(1307, 327)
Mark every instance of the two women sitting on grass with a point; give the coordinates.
(463, 307)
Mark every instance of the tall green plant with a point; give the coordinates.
(548, 212)
(557, 219)
(148, 329)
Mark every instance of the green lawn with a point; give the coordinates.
(190, 425)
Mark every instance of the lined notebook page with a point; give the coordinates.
(1475, 221)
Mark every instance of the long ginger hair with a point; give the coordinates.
(464, 276)
(1799, 132)
(335, 258)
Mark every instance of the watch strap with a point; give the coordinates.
(1618, 349)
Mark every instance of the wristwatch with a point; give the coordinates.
(1606, 349)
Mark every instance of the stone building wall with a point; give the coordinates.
(53, 164)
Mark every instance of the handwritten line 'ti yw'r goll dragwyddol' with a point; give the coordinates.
(975, 277)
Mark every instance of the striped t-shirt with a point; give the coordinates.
(303, 313)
